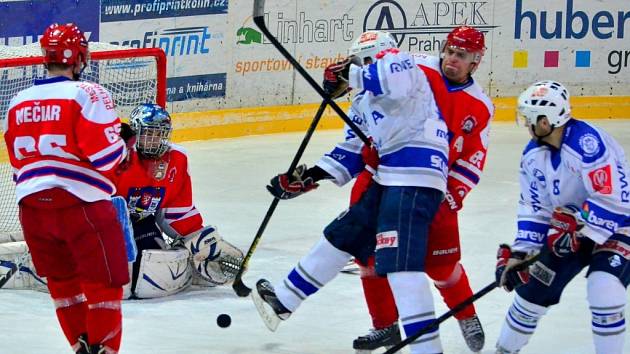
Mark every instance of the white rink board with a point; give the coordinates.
(321, 31)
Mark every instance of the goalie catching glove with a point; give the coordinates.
(214, 259)
(563, 237)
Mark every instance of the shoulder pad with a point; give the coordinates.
(584, 139)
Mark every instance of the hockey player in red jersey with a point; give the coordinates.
(156, 184)
(467, 111)
(63, 142)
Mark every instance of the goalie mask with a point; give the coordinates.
(371, 43)
(153, 127)
(544, 98)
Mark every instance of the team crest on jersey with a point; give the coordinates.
(601, 180)
(145, 200)
(540, 176)
(468, 124)
(589, 144)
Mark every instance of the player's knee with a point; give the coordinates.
(444, 275)
(607, 300)
(64, 288)
(100, 293)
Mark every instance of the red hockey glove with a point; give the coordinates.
(284, 186)
(508, 273)
(129, 136)
(370, 157)
(563, 237)
(454, 203)
(336, 77)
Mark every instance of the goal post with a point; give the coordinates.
(132, 75)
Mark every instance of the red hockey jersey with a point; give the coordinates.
(64, 134)
(467, 111)
(161, 187)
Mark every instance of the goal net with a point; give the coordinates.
(133, 76)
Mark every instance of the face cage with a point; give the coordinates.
(153, 141)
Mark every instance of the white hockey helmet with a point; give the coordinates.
(544, 98)
(371, 43)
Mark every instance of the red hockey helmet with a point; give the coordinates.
(467, 38)
(64, 44)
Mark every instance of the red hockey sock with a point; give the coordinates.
(71, 308)
(378, 296)
(454, 287)
(104, 319)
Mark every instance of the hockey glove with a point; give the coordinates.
(563, 237)
(129, 136)
(508, 273)
(336, 77)
(286, 186)
(369, 154)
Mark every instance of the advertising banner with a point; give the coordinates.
(218, 58)
(22, 22)
(191, 33)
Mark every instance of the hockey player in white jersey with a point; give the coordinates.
(396, 108)
(575, 211)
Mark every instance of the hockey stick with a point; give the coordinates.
(239, 287)
(259, 20)
(459, 307)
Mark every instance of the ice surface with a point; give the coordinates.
(229, 178)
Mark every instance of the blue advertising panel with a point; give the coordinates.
(195, 86)
(22, 22)
(128, 10)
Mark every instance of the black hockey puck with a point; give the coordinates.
(224, 320)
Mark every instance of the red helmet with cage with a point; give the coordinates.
(64, 44)
(467, 38)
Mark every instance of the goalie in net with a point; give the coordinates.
(175, 250)
(157, 187)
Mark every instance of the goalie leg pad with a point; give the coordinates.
(15, 256)
(214, 259)
(163, 273)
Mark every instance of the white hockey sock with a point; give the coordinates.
(415, 306)
(607, 300)
(314, 270)
(520, 323)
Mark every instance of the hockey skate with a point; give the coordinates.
(501, 350)
(376, 338)
(473, 333)
(351, 268)
(269, 307)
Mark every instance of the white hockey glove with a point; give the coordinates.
(214, 259)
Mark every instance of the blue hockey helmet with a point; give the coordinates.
(152, 125)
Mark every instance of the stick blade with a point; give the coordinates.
(266, 313)
(240, 288)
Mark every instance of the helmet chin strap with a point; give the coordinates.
(77, 77)
(540, 137)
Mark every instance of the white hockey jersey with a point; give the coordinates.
(396, 108)
(588, 174)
